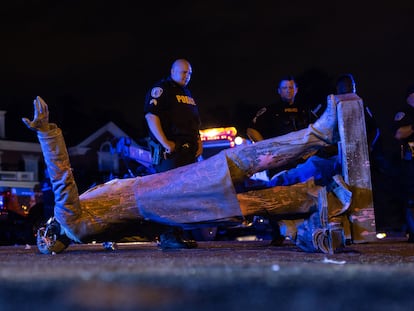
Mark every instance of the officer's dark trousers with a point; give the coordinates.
(407, 185)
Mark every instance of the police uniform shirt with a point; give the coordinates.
(177, 110)
(279, 119)
(403, 118)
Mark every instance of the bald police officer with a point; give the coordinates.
(173, 120)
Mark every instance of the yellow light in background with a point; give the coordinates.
(217, 133)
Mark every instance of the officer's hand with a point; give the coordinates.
(199, 148)
(40, 120)
(170, 148)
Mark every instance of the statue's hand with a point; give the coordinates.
(40, 120)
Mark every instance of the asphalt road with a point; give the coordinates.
(231, 275)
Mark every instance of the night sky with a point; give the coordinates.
(93, 61)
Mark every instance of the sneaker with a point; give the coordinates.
(50, 239)
(175, 240)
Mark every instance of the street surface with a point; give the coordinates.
(218, 275)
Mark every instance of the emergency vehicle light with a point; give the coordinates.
(218, 133)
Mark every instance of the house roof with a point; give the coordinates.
(85, 145)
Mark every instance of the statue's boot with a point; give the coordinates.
(326, 126)
(319, 233)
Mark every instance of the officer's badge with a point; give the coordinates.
(156, 92)
(399, 116)
(153, 102)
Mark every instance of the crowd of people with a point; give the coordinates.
(296, 147)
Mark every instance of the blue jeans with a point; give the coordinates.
(322, 169)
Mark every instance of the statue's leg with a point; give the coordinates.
(278, 151)
(323, 231)
(56, 234)
(280, 200)
(67, 204)
(95, 211)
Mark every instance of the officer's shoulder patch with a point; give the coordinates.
(399, 116)
(156, 92)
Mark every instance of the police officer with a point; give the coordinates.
(173, 119)
(281, 117)
(404, 133)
